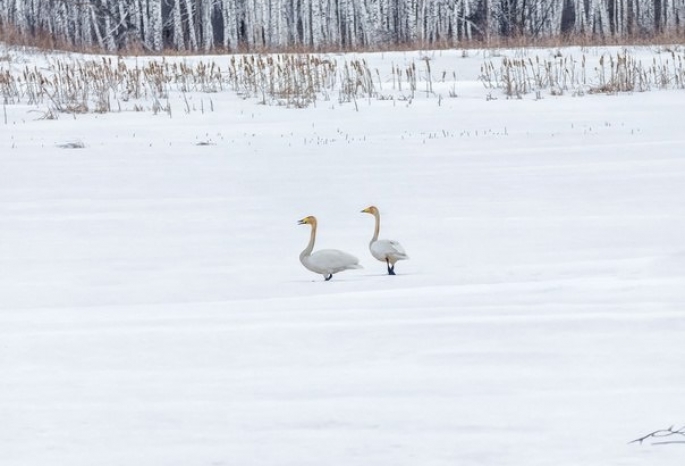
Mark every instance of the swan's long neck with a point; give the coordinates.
(377, 228)
(308, 250)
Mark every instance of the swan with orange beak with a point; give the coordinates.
(385, 250)
(326, 261)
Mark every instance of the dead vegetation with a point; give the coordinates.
(672, 435)
(611, 73)
(109, 84)
(113, 84)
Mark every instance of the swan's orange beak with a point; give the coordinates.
(367, 210)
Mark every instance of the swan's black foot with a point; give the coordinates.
(330, 275)
(391, 269)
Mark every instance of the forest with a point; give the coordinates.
(286, 25)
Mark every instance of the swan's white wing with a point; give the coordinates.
(328, 261)
(385, 248)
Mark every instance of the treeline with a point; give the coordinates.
(253, 25)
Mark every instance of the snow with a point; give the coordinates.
(153, 309)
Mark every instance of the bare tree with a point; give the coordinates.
(257, 24)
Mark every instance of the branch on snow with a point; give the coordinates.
(663, 433)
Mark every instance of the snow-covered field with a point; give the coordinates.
(153, 310)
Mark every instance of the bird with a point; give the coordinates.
(326, 261)
(385, 250)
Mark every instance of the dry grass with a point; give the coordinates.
(611, 74)
(105, 84)
(296, 81)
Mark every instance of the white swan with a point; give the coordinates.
(326, 261)
(384, 250)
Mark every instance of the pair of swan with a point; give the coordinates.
(330, 261)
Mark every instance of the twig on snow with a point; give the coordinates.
(671, 431)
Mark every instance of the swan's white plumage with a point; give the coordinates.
(385, 250)
(330, 261)
(326, 261)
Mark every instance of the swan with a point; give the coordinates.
(385, 250)
(326, 261)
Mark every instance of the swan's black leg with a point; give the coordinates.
(391, 270)
(330, 275)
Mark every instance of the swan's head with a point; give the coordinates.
(373, 210)
(311, 220)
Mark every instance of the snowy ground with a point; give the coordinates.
(153, 310)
